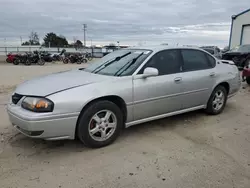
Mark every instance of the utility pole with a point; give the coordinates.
(84, 30)
(21, 40)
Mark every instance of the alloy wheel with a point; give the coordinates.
(218, 101)
(102, 125)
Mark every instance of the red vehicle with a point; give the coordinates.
(246, 74)
(10, 57)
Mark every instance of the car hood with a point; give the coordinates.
(56, 82)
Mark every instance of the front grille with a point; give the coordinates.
(16, 97)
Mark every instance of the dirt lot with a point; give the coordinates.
(190, 150)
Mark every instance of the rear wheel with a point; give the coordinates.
(217, 101)
(90, 58)
(100, 124)
(41, 62)
(27, 62)
(83, 60)
(65, 60)
(16, 62)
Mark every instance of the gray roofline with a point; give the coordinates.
(243, 12)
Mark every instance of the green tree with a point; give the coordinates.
(78, 44)
(53, 40)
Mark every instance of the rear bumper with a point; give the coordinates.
(48, 128)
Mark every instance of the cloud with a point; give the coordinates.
(187, 21)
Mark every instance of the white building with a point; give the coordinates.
(240, 29)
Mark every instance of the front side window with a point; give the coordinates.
(194, 60)
(167, 62)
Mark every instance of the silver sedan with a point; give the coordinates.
(124, 88)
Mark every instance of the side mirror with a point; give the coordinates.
(150, 72)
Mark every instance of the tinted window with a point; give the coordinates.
(211, 60)
(194, 60)
(167, 62)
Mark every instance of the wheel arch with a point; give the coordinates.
(224, 84)
(112, 98)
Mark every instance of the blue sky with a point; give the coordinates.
(199, 22)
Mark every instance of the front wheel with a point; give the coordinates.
(217, 101)
(8, 60)
(100, 124)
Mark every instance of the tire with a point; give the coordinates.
(28, 63)
(78, 62)
(65, 61)
(90, 58)
(248, 80)
(41, 62)
(84, 60)
(16, 62)
(211, 107)
(86, 121)
(8, 61)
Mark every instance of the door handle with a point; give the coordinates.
(178, 79)
(212, 74)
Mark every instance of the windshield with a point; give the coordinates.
(243, 48)
(115, 61)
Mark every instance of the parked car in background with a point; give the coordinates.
(124, 88)
(225, 49)
(214, 50)
(240, 55)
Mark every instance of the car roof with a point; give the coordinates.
(161, 47)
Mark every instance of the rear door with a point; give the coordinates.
(198, 77)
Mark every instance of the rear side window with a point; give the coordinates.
(211, 60)
(194, 60)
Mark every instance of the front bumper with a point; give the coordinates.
(42, 125)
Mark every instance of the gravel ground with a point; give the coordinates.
(190, 150)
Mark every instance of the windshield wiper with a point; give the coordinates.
(101, 67)
(128, 65)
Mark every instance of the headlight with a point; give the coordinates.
(36, 104)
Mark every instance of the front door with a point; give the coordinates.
(198, 77)
(160, 94)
